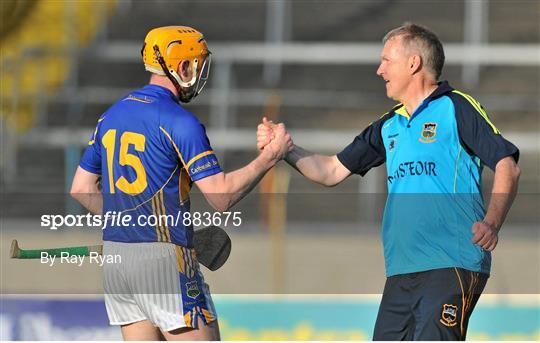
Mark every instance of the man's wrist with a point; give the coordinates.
(290, 156)
(492, 224)
(267, 159)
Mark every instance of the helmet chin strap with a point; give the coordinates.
(175, 78)
(186, 96)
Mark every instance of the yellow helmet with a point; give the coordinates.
(165, 47)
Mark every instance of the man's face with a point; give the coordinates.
(395, 68)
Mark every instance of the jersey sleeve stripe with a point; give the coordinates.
(479, 109)
(174, 145)
(392, 110)
(93, 140)
(201, 155)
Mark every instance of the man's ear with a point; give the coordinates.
(183, 70)
(415, 63)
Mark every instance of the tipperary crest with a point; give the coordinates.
(392, 144)
(449, 315)
(428, 133)
(192, 290)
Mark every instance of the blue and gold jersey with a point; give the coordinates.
(149, 150)
(434, 159)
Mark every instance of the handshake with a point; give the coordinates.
(273, 140)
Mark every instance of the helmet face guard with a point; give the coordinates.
(203, 75)
(200, 77)
(166, 48)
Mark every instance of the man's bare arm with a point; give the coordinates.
(505, 186)
(503, 192)
(223, 190)
(85, 190)
(325, 170)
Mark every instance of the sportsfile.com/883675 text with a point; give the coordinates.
(119, 219)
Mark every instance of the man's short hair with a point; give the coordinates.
(425, 42)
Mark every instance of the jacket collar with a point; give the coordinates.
(442, 89)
